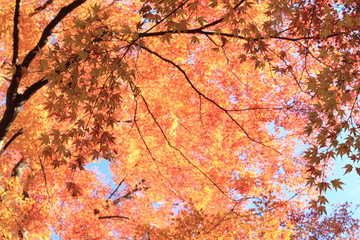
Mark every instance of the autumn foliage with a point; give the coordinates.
(219, 119)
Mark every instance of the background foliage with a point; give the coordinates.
(201, 107)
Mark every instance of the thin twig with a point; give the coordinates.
(220, 19)
(182, 154)
(45, 179)
(224, 217)
(11, 140)
(200, 93)
(13, 216)
(230, 35)
(168, 15)
(147, 31)
(148, 149)
(226, 111)
(41, 8)
(130, 192)
(117, 188)
(115, 217)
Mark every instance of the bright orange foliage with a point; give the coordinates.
(199, 106)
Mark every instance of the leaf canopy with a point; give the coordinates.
(202, 108)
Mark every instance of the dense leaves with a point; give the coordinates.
(202, 109)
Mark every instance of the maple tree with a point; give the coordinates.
(201, 108)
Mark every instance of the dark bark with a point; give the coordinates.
(16, 32)
(11, 140)
(115, 217)
(229, 35)
(48, 30)
(14, 100)
(18, 168)
(41, 8)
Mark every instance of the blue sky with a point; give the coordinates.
(351, 192)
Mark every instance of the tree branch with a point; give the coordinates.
(182, 154)
(200, 93)
(210, 33)
(14, 100)
(150, 153)
(117, 188)
(221, 19)
(12, 108)
(48, 30)
(226, 111)
(16, 32)
(32, 90)
(114, 217)
(266, 108)
(19, 167)
(200, 30)
(11, 140)
(41, 7)
(163, 19)
(168, 15)
(127, 195)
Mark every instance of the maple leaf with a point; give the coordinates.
(73, 189)
(357, 170)
(348, 168)
(336, 183)
(109, 93)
